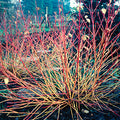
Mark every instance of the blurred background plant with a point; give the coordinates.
(74, 62)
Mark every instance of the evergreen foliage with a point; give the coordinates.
(28, 6)
(52, 5)
(4, 6)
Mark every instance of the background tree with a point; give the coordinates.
(52, 5)
(4, 7)
(28, 6)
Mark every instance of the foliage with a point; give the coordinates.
(4, 6)
(30, 7)
(75, 64)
